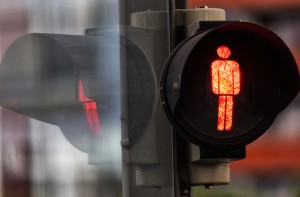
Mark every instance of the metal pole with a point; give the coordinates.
(181, 4)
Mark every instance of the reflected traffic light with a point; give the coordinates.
(91, 112)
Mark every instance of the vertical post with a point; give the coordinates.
(181, 4)
(171, 13)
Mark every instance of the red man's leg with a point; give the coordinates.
(228, 113)
(91, 114)
(225, 111)
(221, 113)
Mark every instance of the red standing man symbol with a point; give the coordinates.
(90, 108)
(225, 83)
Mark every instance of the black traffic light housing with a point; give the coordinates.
(268, 81)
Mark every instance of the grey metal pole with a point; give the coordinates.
(181, 4)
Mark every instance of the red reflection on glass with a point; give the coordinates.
(90, 108)
(225, 83)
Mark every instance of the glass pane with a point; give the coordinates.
(148, 156)
(79, 97)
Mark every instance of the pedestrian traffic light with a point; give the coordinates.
(222, 88)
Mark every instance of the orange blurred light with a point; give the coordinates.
(225, 83)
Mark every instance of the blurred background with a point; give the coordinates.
(272, 166)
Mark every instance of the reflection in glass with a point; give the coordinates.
(70, 72)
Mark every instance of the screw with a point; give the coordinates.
(208, 186)
(176, 86)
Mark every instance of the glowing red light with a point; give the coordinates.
(225, 83)
(90, 108)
